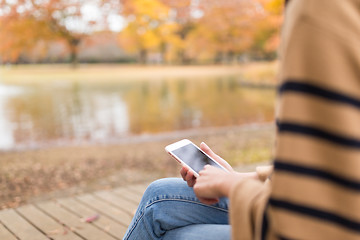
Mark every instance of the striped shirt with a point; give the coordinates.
(314, 191)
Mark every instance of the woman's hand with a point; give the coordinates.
(189, 177)
(214, 183)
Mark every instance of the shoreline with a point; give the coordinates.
(258, 72)
(140, 138)
(39, 174)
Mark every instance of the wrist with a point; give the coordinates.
(226, 184)
(252, 175)
(248, 175)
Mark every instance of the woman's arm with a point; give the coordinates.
(214, 182)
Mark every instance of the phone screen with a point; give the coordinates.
(193, 157)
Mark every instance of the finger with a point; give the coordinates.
(201, 173)
(217, 158)
(205, 169)
(183, 172)
(189, 176)
(191, 182)
(207, 150)
(190, 179)
(207, 166)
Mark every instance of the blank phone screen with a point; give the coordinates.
(193, 157)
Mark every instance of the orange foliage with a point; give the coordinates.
(268, 29)
(178, 30)
(26, 22)
(18, 36)
(149, 28)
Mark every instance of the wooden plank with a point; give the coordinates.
(115, 229)
(103, 207)
(129, 195)
(5, 234)
(46, 224)
(122, 203)
(86, 230)
(19, 226)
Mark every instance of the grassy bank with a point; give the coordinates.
(99, 73)
(45, 173)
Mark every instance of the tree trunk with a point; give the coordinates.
(163, 52)
(181, 56)
(74, 50)
(143, 56)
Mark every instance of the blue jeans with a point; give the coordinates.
(169, 209)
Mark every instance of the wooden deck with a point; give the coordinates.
(64, 218)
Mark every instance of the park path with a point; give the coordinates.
(70, 218)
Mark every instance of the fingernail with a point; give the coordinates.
(205, 144)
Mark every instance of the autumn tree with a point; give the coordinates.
(225, 30)
(183, 13)
(19, 33)
(26, 22)
(267, 34)
(149, 27)
(182, 30)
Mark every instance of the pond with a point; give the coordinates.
(33, 116)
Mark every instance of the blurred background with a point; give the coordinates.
(91, 91)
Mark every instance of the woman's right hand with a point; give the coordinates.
(189, 177)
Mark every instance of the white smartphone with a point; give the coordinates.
(191, 156)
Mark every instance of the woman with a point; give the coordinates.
(314, 192)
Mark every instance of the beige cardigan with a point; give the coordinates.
(314, 192)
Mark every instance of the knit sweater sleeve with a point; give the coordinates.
(314, 188)
(248, 199)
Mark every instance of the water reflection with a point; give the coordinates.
(52, 114)
(6, 127)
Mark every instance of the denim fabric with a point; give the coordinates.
(169, 209)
